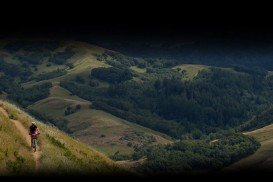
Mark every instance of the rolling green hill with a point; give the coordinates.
(57, 153)
(105, 132)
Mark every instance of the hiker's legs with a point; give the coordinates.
(35, 144)
(32, 144)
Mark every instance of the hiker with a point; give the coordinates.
(34, 132)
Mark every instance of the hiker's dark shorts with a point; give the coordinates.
(33, 142)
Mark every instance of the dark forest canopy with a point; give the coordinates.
(214, 99)
(198, 155)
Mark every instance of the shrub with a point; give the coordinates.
(70, 65)
(112, 75)
(79, 79)
(61, 57)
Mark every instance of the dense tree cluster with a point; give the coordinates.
(84, 91)
(124, 60)
(33, 58)
(144, 118)
(61, 58)
(32, 52)
(72, 109)
(22, 96)
(112, 74)
(214, 100)
(79, 79)
(195, 155)
(258, 121)
(7, 84)
(152, 65)
(31, 95)
(13, 70)
(257, 71)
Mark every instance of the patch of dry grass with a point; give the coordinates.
(191, 70)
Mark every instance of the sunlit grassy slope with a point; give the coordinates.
(60, 153)
(191, 70)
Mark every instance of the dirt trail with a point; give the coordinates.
(24, 132)
(131, 164)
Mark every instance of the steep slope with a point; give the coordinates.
(57, 153)
(105, 132)
(25, 135)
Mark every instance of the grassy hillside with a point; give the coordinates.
(190, 70)
(59, 153)
(107, 133)
(83, 61)
(261, 160)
